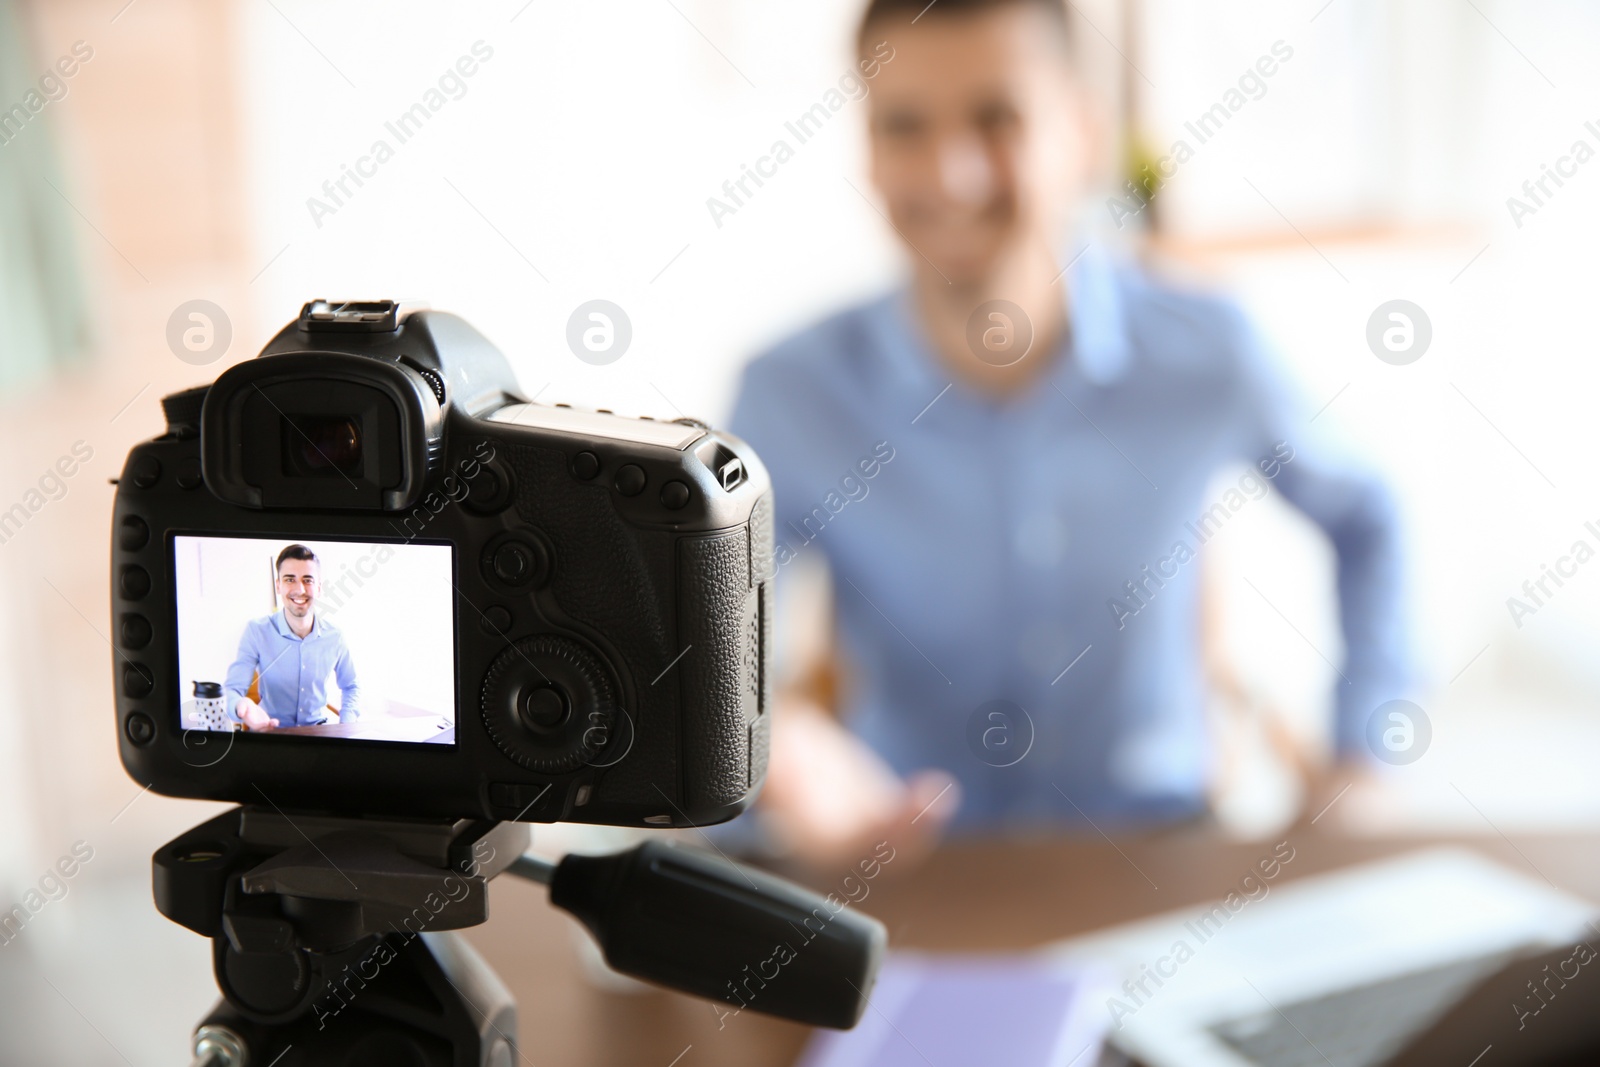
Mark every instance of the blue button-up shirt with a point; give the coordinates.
(1041, 550)
(294, 671)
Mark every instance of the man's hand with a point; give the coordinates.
(254, 716)
(1327, 787)
(830, 798)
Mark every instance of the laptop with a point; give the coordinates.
(1426, 958)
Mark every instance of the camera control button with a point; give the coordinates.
(585, 465)
(495, 620)
(519, 799)
(189, 474)
(141, 728)
(488, 492)
(137, 682)
(674, 495)
(515, 561)
(513, 564)
(631, 480)
(135, 631)
(135, 582)
(133, 533)
(146, 472)
(545, 708)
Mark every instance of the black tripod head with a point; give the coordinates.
(331, 944)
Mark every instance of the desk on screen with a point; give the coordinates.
(432, 730)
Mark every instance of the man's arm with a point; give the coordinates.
(1359, 515)
(344, 673)
(1354, 506)
(828, 796)
(237, 682)
(241, 708)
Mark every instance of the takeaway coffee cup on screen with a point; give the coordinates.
(208, 711)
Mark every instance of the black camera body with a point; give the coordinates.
(610, 588)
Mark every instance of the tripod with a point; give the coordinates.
(331, 940)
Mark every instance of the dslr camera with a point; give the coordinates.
(362, 573)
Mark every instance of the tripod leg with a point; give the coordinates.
(487, 1000)
(410, 1001)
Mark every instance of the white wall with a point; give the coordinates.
(591, 142)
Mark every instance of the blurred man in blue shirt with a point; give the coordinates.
(1005, 466)
(293, 651)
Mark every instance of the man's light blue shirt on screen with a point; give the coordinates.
(294, 671)
(1042, 550)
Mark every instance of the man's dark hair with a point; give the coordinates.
(903, 12)
(295, 552)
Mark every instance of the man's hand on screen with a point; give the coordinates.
(254, 716)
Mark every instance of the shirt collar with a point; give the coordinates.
(280, 622)
(1101, 346)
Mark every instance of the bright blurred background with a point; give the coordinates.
(576, 164)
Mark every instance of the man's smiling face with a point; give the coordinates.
(981, 140)
(298, 586)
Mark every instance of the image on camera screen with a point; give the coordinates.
(315, 638)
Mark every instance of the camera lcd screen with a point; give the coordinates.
(315, 638)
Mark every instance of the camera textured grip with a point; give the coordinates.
(763, 553)
(723, 613)
(763, 568)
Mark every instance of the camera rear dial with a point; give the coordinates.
(549, 704)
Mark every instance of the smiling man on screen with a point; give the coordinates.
(292, 651)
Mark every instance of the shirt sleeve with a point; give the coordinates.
(1323, 476)
(237, 682)
(344, 673)
(764, 417)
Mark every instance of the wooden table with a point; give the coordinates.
(968, 897)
